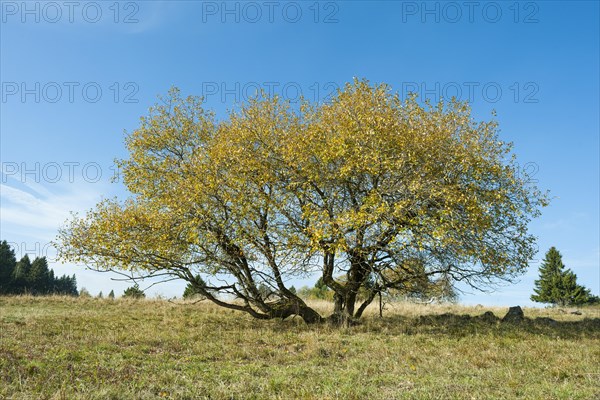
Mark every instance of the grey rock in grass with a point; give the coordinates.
(514, 315)
(488, 316)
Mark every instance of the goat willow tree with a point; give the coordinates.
(375, 192)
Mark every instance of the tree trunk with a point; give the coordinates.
(284, 309)
(350, 302)
(310, 316)
(338, 303)
(357, 274)
(366, 303)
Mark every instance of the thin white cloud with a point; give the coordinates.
(38, 212)
(572, 221)
(151, 15)
(590, 259)
(32, 213)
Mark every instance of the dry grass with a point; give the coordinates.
(66, 348)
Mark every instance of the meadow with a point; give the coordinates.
(87, 348)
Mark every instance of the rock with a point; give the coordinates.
(514, 314)
(488, 316)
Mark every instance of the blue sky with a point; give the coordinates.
(76, 75)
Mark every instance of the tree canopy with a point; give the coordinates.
(382, 191)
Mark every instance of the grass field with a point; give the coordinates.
(75, 348)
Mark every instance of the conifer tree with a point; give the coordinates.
(37, 279)
(7, 267)
(134, 292)
(73, 286)
(21, 275)
(191, 290)
(557, 285)
(574, 294)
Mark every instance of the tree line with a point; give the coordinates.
(31, 277)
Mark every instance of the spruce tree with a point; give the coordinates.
(320, 290)
(548, 288)
(557, 285)
(52, 282)
(134, 292)
(72, 288)
(191, 290)
(574, 294)
(8, 262)
(21, 275)
(37, 279)
(111, 295)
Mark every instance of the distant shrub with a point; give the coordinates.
(134, 292)
(191, 290)
(320, 291)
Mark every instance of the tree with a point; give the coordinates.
(67, 285)
(111, 295)
(30, 277)
(134, 292)
(191, 290)
(265, 291)
(7, 267)
(421, 286)
(21, 275)
(357, 187)
(320, 290)
(557, 285)
(38, 279)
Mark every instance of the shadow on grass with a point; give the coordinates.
(460, 325)
(452, 325)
